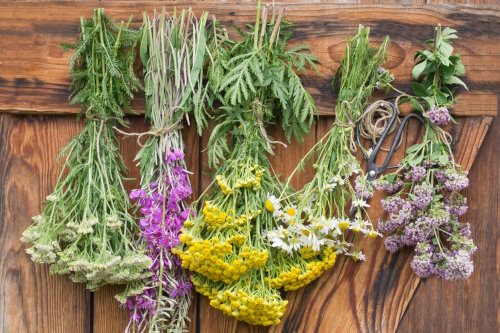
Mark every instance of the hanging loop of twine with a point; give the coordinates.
(154, 131)
(375, 120)
(345, 107)
(257, 109)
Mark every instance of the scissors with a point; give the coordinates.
(375, 170)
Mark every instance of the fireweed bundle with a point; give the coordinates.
(232, 263)
(425, 203)
(85, 229)
(173, 51)
(322, 218)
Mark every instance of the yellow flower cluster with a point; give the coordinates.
(223, 185)
(265, 307)
(214, 217)
(308, 253)
(207, 258)
(252, 181)
(297, 278)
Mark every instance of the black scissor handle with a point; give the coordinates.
(373, 169)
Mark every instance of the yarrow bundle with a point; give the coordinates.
(322, 218)
(173, 51)
(224, 245)
(425, 203)
(85, 229)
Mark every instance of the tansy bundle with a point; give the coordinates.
(224, 244)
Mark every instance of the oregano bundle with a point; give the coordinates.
(86, 230)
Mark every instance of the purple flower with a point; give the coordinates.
(393, 243)
(438, 115)
(422, 195)
(456, 181)
(422, 263)
(417, 173)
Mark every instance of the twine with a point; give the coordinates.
(154, 131)
(257, 108)
(346, 107)
(375, 119)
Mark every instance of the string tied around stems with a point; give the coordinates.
(154, 131)
(345, 107)
(259, 116)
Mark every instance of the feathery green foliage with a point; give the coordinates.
(259, 73)
(85, 229)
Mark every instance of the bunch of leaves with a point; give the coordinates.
(326, 199)
(85, 229)
(224, 244)
(425, 201)
(174, 53)
(260, 70)
(438, 71)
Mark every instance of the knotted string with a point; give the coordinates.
(154, 131)
(345, 107)
(257, 108)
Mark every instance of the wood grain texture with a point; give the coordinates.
(471, 305)
(30, 299)
(33, 74)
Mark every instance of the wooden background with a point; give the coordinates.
(381, 295)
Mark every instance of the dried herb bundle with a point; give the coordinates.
(85, 229)
(174, 51)
(224, 245)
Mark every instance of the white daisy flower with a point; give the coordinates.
(272, 204)
(359, 202)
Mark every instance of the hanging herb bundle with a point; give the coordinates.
(173, 51)
(425, 201)
(224, 245)
(322, 218)
(85, 229)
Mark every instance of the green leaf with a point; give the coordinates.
(418, 69)
(446, 50)
(416, 105)
(419, 89)
(456, 80)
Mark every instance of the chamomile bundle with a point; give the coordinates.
(224, 243)
(322, 205)
(86, 230)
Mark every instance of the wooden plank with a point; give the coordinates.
(33, 69)
(30, 299)
(471, 305)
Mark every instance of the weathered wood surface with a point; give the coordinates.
(471, 305)
(350, 297)
(30, 299)
(33, 68)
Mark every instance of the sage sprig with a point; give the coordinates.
(86, 230)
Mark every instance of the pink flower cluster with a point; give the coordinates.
(164, 211)
(424, 213)
(438, 115)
